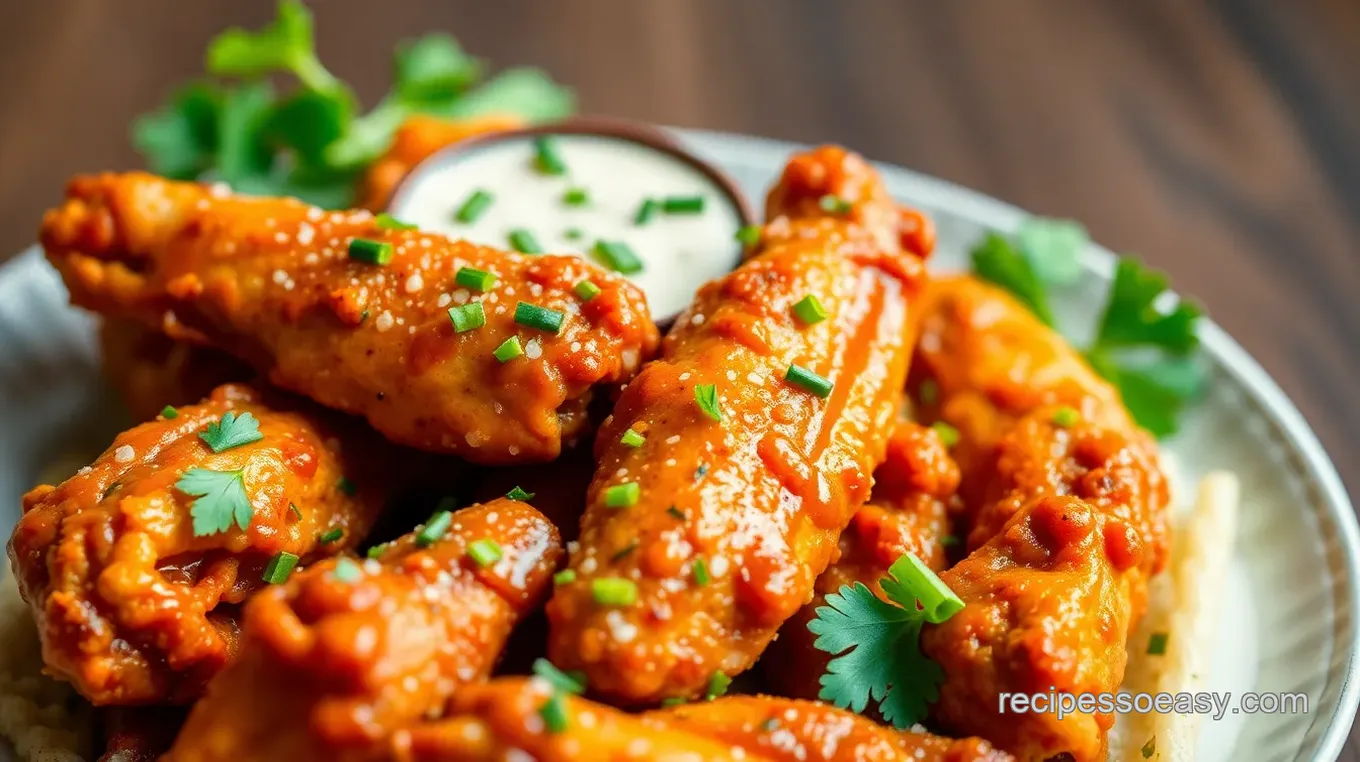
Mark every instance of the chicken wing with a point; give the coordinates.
(150, 370)
(134, 602)
(908, 511)
(369, 332)
(761, 431)
(347, 652)
(417, 139)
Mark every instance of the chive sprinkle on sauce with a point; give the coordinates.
(524, 242)
(548, 156)
(586, 290)
(623, 495)
(618, 256)
(279, 568)
(474, 279)
(536, 316)
(331, 536)
(614, 591)
(509, 350)
(800, 376)
(467, 317)
(370, 252)
(809, 309)
(683, 205)
(474, 207)
(484, 552)
(646, 211)
(434, 529)
(632, 439)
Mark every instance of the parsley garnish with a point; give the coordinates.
(1141, 345)
(231, 431)
(221, 500)
(877, 644)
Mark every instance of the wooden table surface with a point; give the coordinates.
(1219, 141)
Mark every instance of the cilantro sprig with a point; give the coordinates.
(1145, 341)
(220, 500)
(313, 141)
(877, 643)
(231, 431)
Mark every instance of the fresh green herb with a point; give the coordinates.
(673, 701)
(376, 551)
(624, 552)
(706, 396)
(618, 256)
(484, 552)
(370, 252)
(474, 279)
(646, 211)
(221, 500)
(1053, 248)
(749, 235)
(632, 439)
(676, 513)
(231, 431)
(346, 486)
(331, 536)
(1066, 417)
(809, 309)
(293, 509)
(997, 261)
(576, 197)
(717, 686)
(800, 376)
(474, 207)
(683, 205)
(467, 317)
(520, 495)
(554, 714)
(572, 682)
(388, 222)
(542, 318)
(347, 571)
(700, 570)
(948, 434)
(564, 577)
(835, 204)
(622, 495)
(434, 529)
(509, 350)
(1150, 748)
(949, 541)
(277, 571)
(573, 234)
(524, 242)
(929, 392)
(614, 591)
(169, 413)
(586, 290)
(548, 156)
(1157, 644)
(876, 644)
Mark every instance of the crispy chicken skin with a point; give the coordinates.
(908, 512)
(131, 606)
(789, 730)
(150, 370)
(270, 281)
(416, 140)
(331, 666)
(763, 493)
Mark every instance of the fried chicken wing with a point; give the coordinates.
(134, 605)
(270, 281)
(150, 370)
(788, 730)
(417, 139)
(908, 512)
(713, 530)
(347, 652)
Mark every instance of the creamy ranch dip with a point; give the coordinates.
(679, 249)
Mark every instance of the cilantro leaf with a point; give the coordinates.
(286, 44)
(1053, 248)
(996, 260)
(1132, 316)
(231, 431)
(308, 121)
(433, 69)
(525, 92)
(179, 141)
(241, 151)
(221, 500)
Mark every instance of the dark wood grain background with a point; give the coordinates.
(1218, 140)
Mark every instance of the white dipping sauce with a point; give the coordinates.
(679, 252)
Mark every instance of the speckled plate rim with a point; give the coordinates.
(1342, 558)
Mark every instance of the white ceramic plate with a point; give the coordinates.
(1287, 621)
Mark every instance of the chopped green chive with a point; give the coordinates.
(388, 222)
(683, 205)
(509, 349)
(434, 529)
(646, 211)
(948, 434)
(524, 242)
(376, 550)
(542, 318)
(676, 512)
(749, 235)
(1066, 417)
(800, 376)
(700, 570)
(477, 280)
(294, 510)
(347, 571)
(568, 682)
(614, 591)
(670, 701)
(573, 234)
(467, 317)
(625, 551)
(622, 495)
(169, 413)
(1157, 644)
(809, 309)
(331, 536)
(632, 438)
(929, 391)
(706, 395)
(576, 197)
(474, 207)
(586, 290)
(554, 714)
(548, 156)
(835, 204)
(564, 577)
(520, 495)
(370, 252)
(346, 486)
(484, 552)
(717, 686)
(618, 256)
(278, 569)
(936, 600)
